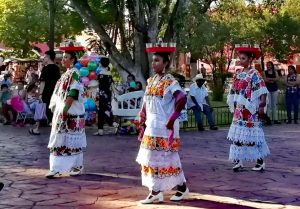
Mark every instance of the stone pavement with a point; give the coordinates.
(112, 178)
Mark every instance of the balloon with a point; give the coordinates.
(132, 84)
(84, 61)
(90, 104)
(84, 71)
(85, 81)
(78, 65)
(93, 83)
(98, 70)
(92, 65)
(94, 56)
(92, 75)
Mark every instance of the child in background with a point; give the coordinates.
(19, 90)
(32, 98)
(7, 110)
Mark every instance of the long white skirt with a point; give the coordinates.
(160, 162)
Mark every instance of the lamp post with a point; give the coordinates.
(51, 23)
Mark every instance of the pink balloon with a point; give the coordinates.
(85, 81)
(92, 75)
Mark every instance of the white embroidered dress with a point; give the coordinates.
(67, 139)
(246, 132)
(161, 166)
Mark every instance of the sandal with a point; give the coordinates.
(31, 131)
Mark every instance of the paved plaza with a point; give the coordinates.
(112, 178)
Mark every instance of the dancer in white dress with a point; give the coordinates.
(67, 138)
(158, 155)
(247, 101)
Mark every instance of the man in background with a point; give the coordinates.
(49, 76)
(198, 101)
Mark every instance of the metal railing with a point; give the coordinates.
(223, 117)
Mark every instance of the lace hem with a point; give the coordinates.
(245, 135)
(64, 164)
(161, 159)
(248, 153)
(163, 184)
(67, 140)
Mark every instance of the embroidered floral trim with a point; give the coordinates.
(157, 90)
(64, 151)
(160, 143)
(161, 172)
(247, 124)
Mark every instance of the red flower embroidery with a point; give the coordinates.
(248, 93)
(249, 125)
(246, 114)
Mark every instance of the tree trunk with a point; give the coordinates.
(121, 63)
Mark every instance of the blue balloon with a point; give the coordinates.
(98, 70)
(78, 65)
(90, 105)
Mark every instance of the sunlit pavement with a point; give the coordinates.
(112, 178)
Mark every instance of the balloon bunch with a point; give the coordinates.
(88, 67)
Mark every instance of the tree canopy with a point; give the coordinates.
(24, 22)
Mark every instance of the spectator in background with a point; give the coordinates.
(19, 90)
(292, 94)
(7, 110)
(7, 80)
(138, 86)
(199, 102)
(130, 83)
(203, 71)
(105, 95)
(49, 76)
(271, 79)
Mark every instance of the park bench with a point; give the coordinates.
(127, 106)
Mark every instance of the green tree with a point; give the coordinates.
(24, 22)
(134, 22)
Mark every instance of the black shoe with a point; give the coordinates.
(288, 122)
(296, 122)
(214, 128)
(201, 129)
(1, 186)
(277, 122)
(6, 123)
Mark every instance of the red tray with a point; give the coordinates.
(72, 48)
(161, 49)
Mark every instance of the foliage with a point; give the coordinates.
(274, 25)
(24, 22)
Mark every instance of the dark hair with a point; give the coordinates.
(272, 65)
(136, 83)
(293, 68)
(104, 61)
(4, 86)
(51, 54)
(7, 75)
(248, 54)
(132, 76)
(73, 56)
(165, 56)
(30, 87)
